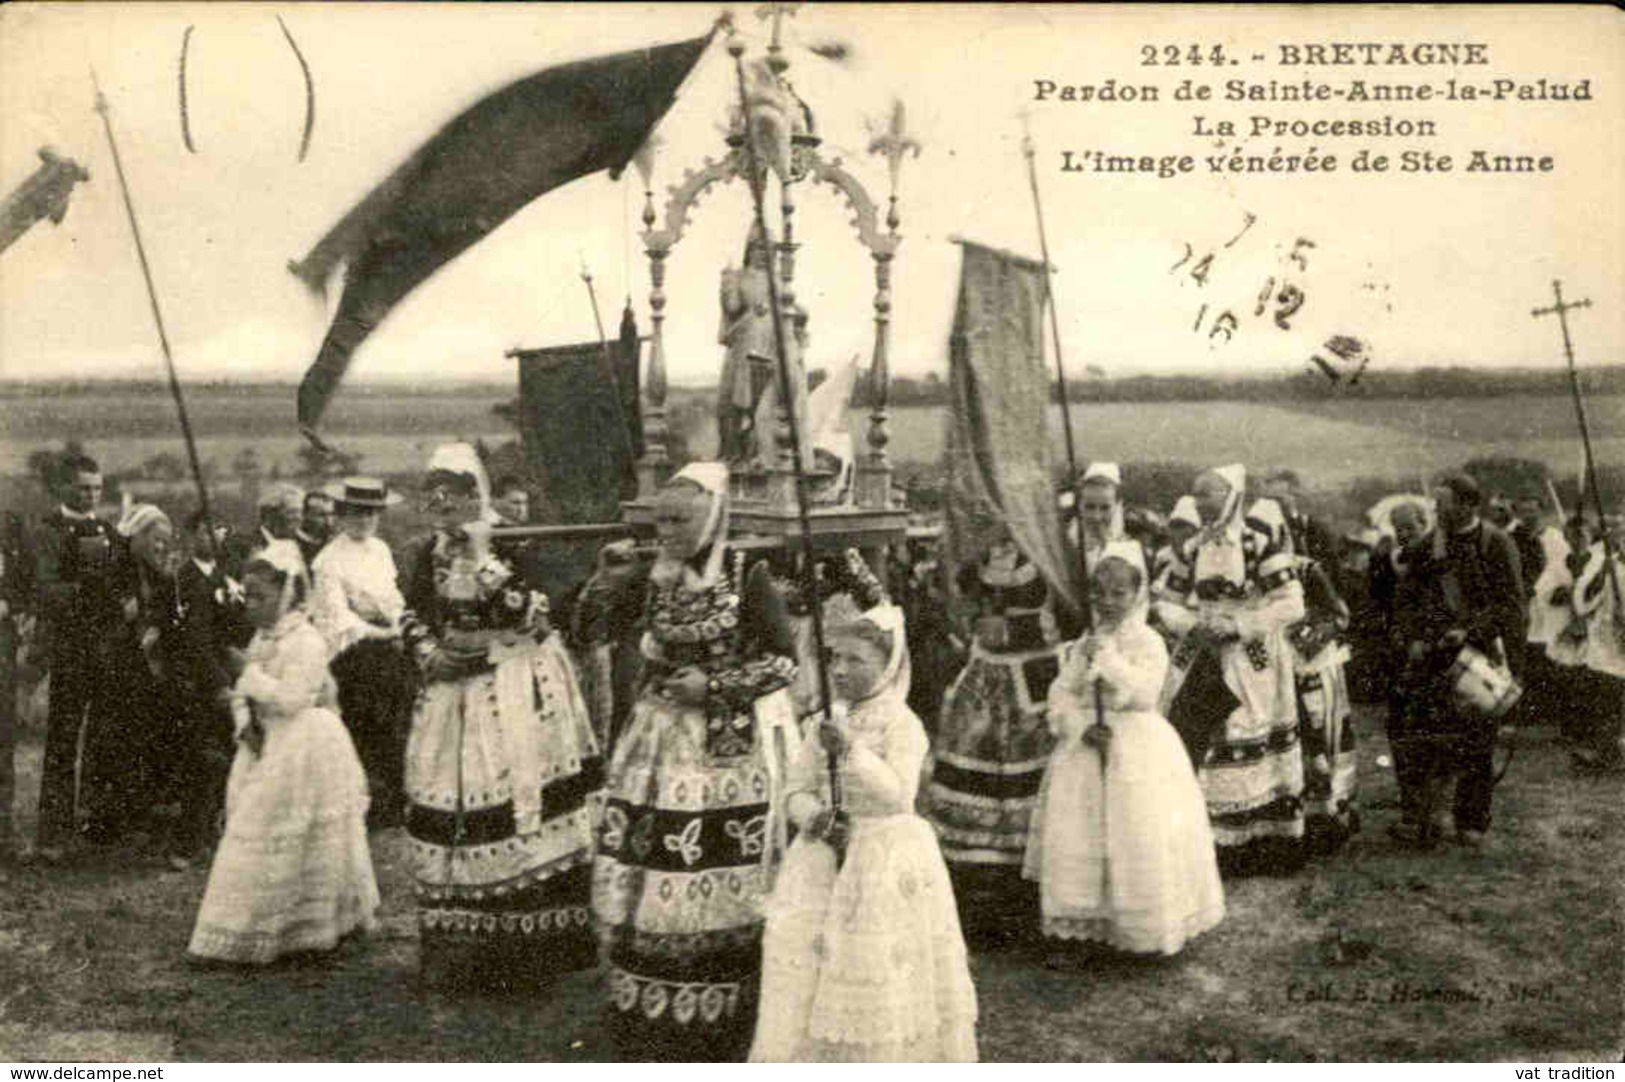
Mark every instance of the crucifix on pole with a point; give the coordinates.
(776, 12)
(1561, 309)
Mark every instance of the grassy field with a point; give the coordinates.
(1377, 954)
(1331, 442)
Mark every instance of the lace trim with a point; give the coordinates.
(428, 893)
(1134, 932)
(682, 1002)
(260, 948)
(541, 922)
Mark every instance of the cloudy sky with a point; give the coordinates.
(1428, 268)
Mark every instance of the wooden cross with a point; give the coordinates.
(1561, 310)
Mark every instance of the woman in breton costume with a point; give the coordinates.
(1230, 689)
(293, 873)
(1121, 846)
(134, 736)
(1170, 576)
(1320, 656)
(691, 821)
(503, 774)
(992, 743)
(1100, 511)
(864, 962)
(1596, 622)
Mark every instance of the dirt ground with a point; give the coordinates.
(1513, 953)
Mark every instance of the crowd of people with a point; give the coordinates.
(647, 772)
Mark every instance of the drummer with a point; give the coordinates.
(1463, 589)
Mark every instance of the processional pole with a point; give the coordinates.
(1561, 310)
(609, 367)
(756, 177)
(1072, 476)
(1074, 481)
(157, 317)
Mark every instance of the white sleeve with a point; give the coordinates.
(889, 780)
(804, 787)
(1069, 713)
(291, 680)
(1134, 667)
(1281, 607)
(330, 609)
(1175, 615)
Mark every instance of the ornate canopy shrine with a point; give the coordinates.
(853, 504)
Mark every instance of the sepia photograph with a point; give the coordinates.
(811, 532)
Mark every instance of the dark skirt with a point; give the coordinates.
(376, 686)
(515, 941)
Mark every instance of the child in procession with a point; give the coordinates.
(863, 957)
(293, 873)
(1121, 846)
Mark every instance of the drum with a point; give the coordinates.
(1481, 686)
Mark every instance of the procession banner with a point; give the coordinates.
(1000, 462)
(574, 437)
(478, 171)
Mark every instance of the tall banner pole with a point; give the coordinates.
(757, 179)
(157, 315)
(1074, 481)
(609, 367)
(1072, 477)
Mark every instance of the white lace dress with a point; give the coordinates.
(293, 871)
(1123, 856)
(866, 963)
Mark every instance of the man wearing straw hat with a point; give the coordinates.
(358, 608)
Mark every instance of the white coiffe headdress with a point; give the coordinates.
(712, 479)
(462, 458)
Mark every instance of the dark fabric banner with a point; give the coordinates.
(573, 421)
(477, 172)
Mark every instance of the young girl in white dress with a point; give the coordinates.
(1121, 845)
(864, 962)
(293, 873)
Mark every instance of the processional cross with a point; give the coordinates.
(776, 11)
(1561, 309)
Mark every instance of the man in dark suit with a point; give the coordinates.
(1310, 536)
(1526, 531)
(16, 600)
(1465, 589)
(73, 556)
(212, 623)
(315, 525)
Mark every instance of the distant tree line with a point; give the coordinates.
(932, 389)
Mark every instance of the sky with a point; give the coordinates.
(1425, 268)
